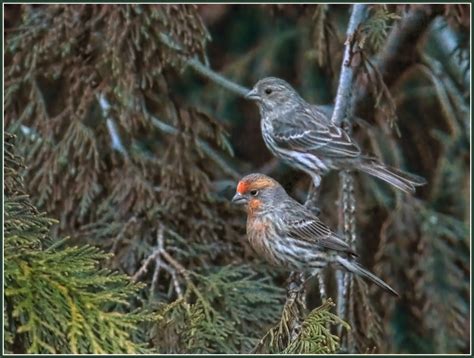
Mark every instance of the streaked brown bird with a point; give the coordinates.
(303, 136)
(286, 234)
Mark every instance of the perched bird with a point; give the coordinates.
(286, 234)
(303, 136)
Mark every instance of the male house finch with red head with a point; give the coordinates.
(286, 234)
(304, 137)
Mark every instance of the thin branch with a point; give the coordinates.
(343, 95)
(206, 71)
(111, 125)
(156, 274)
(144, 267)
(174, 278)
(173, 267)
(447, 41)
(447, 90)
(122, 232)
(205, 147)
(322, 287)
(342, 109)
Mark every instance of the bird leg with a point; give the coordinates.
(313, 197)
(295, 283)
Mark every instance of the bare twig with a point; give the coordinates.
(159, 255)
(343, 95)
(174, 278)
(206, 71)
(217, 78)
(156, 274)
(144, 267)
(111, 125)
(343, 109)
(322, 287)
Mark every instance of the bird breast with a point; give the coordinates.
(260, 233)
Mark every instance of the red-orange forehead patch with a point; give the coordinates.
(242, 187)
(259, 183)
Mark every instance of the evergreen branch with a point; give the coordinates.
(59, 299)
(311, 336)
(315, 335)
(206, 71)
(447, 91)
(211, 153)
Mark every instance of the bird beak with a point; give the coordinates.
(253, 95)
(238, 199)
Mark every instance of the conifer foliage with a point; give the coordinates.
(58, 299)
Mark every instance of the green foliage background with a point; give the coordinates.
(121, 133)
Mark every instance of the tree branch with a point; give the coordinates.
(342, 109)
(448, 43)
(205, 147)
(343, 95)
(206, 71)
(111, 125)
(398, 54)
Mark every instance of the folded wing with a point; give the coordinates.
(311, 229)
(309, 131)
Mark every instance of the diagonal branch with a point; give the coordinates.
(203, 145)
(105, 106)
(206, 71)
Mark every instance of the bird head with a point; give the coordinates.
(257, 191)
(273, 92)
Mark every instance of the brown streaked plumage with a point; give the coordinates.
(286, 234)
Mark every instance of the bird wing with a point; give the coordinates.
(309, 130)
(311, 229)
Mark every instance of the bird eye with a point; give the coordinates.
(268, 90)
(254, 192)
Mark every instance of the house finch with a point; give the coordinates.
(303, 136)
(287, 234)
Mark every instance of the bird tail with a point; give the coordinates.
(355, 268)
(404, 181)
